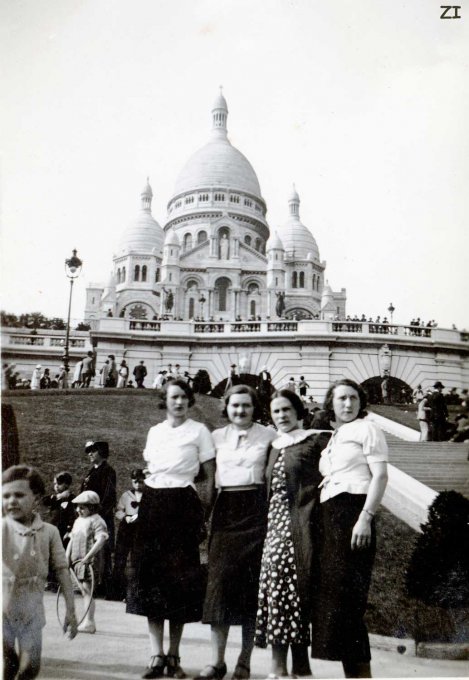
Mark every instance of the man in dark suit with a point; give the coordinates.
(438, 413)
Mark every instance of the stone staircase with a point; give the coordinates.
(443, 466)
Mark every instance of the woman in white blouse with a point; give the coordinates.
(169, 578)
(354, 469)
(238, 529)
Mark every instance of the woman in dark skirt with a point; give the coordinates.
(354, 467)
(169, 581)
(284, 611)
(238, 530)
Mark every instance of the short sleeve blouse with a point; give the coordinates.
(345, 461)
(242, 454)
(174, 454)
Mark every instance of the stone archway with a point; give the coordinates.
(222, 301)
(298, 313)
(399, 392)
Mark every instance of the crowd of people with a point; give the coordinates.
(433, 415)
(279, 503)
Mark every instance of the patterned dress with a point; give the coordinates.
(279, 619)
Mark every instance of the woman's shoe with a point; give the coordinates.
(87, 628)
(212, 672)
(156, 667)
(241, 672)
(173, 668)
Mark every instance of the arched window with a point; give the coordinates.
(201, 236)
(157, 275)
(144, 272)
(294, 280)
(314, 281)
(252, 308)
(187, 241)
(137, 272)
(123, 274)
(258, 244)
(247, 240)
(118, 276)
(302, 280)
(318, 280)
(191, 307)
(221, 288)
(253, 289)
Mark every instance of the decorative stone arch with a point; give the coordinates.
(222, 297)
(298, 313)
(399, 392)
(192, 284)
(137, 310)
(202, 236)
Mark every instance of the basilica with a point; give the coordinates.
(216, 258)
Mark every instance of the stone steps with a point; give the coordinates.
(440, 465)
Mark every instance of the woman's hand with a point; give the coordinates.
(361, 532)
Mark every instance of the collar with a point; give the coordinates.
(292, 437)
(24, 530)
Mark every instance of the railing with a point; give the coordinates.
(154, 326)
(26, 340)
(245, 327)
(209, 327)
(291, 326)
(464, 335)
(60, 342)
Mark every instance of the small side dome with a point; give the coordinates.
(147, 190)
(294, 195)
(171, 239)
(274, 242)
(220, 102)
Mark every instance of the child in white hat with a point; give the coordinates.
(88, 536)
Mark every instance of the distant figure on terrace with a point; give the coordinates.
(36, 378)
(424, 415)
(140, 371)
(76, 380)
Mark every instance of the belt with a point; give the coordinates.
(244, 487)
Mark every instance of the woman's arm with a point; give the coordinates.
(207, 476)
(361, 533)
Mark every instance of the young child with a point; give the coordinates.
(30, 548)
(127, 513)
(61, 510)
(88, 536)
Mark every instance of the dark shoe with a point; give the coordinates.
(156, 667)
(213, 672)
(241, 672)
(173, 668)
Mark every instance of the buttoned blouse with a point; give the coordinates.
(241, 455)
(128, 503)
(174, 454)
(345, 461)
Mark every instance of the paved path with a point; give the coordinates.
(119, 651)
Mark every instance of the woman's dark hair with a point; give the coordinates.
(63, 478)
(294, 400)
(243, 389)
(179, 382)
(18, 472)
(327, 407)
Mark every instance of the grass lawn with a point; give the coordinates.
(54, 426)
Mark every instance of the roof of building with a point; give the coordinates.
(143, 234)
(297, 239)
(218, 164)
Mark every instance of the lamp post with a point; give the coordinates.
(391, 310)
(202, 301)
(72, 270)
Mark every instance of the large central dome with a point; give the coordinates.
(218, 164)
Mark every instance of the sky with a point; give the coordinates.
(363, 104)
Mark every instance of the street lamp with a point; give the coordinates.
(72, 270)
(391, 310)
(202, 301)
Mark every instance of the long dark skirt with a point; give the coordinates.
(168, 581)
(338, 629)
(234, 558)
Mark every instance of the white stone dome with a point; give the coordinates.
(296, 238)
(218, 164)
(143, 234)
(274, 242)
(171, 238)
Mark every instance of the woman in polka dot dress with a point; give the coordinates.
(293, 477)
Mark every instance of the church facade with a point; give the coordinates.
(216, 257)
